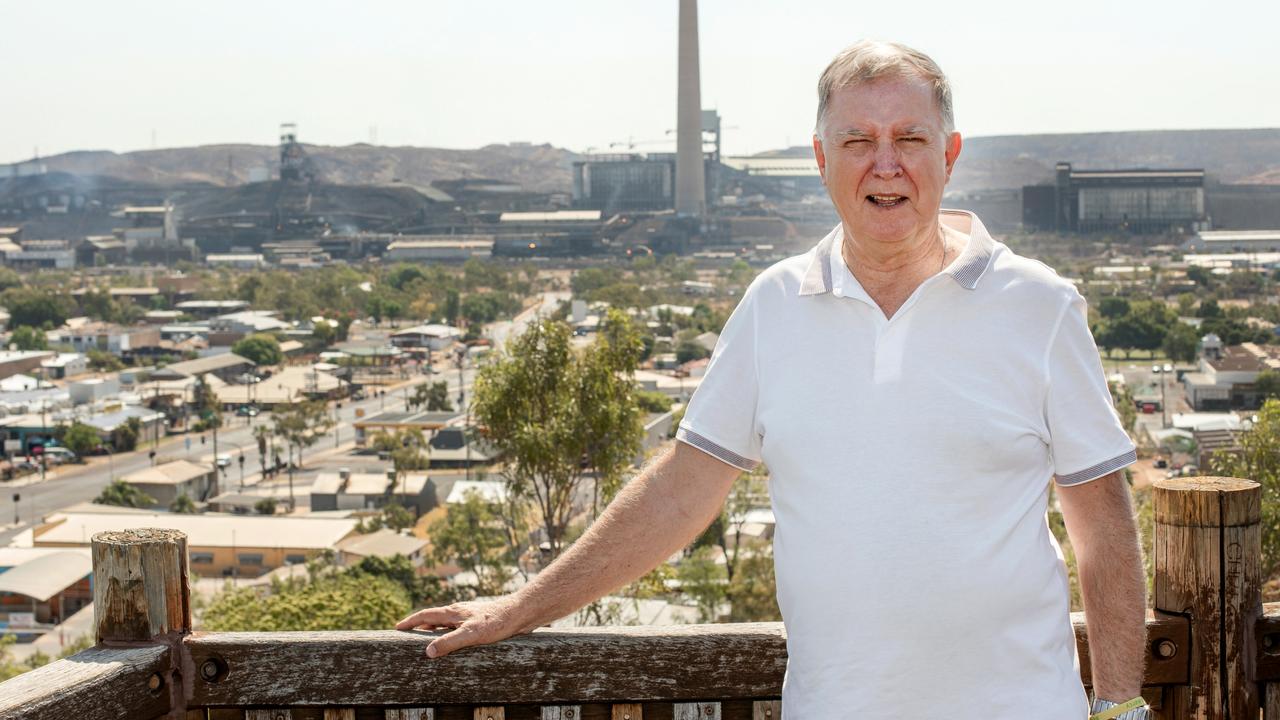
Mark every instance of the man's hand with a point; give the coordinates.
(469, 623)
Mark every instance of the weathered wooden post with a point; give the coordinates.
(140, 585)
(142, 593)
(1208, 568)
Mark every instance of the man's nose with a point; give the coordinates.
(887, 165)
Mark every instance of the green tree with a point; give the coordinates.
(1209, 307)
(1259, 460)
(183, 504)
(422, 589)
(1200, 276)
(103, 361)
(1113, 307)
(262, 435)
(1180, 342)
(1267, 384)
(25, 337)
(557, 415)
(437, 397)
(261, 348)
(653, 401)
(393, 515)
(37, 308)
(123, 494)
(1122, 398)
(124, 437)
(325, 333)
(81, 439)
(207, 405)
(301, 425)
(473, 535)
(330, 599)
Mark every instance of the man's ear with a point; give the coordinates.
(822, 158)
(954, 143)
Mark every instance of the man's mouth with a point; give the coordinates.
(886, 201)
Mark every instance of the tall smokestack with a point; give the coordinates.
(691, 185)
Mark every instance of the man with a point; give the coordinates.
(912, 385)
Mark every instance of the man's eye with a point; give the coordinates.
(913, 139)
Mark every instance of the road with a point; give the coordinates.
(71, 484)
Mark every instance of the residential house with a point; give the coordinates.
(166, 482)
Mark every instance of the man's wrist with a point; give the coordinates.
(1138, 710)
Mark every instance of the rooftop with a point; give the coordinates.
(212, 363)
(170, 473)
(44, 576)
(383, 543)
(230, 531)
(549, 217)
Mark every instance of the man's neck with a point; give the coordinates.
(896, 269)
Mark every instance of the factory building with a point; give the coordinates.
(1135, 200)
(621, 182)
(439, 248)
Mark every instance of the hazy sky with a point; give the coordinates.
(585, 73)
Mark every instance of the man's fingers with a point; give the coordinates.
(457, 639)
(433, 617)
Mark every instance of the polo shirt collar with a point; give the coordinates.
(966, 270)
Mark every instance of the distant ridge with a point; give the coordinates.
(994, 162)
(1010, 161)
(541, 168)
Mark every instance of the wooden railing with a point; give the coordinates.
(1213, 648)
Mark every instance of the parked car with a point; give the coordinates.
(58, 455)
(247, 411)
(1161, 463)
(224, 460)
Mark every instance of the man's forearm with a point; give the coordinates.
(1114, 591)
(655, 515)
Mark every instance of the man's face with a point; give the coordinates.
(885, 158)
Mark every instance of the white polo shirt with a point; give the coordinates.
(910, 461)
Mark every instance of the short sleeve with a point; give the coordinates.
(1086, 438)
(721, 417)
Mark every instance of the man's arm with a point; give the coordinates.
(1100, 523)
(659, 512)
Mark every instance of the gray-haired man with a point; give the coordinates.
(912, 385)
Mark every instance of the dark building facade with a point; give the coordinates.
(632, 182)
(1133, 200)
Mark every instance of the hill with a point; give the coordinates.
(541, 168)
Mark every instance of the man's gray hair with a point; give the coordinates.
(869, 60)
